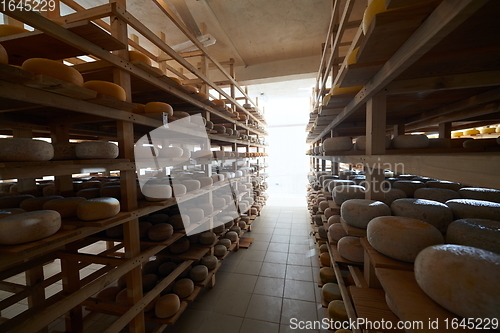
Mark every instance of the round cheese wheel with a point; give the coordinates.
(232, 236)
(480, 233)
(107, 88)
(393, 194)
(96, 150)
(323, 205)
(414, 141)
(361, 143)
(324, 259)
(136, 55)
(225, 241)
(53, 68)
(408, 186)
(160, 232)
(8, 30)
(190, 88)
(330, 292)
(180, 114)
(478, 193)
(37, 203)
(205, 181)
(139, 108)
(66, 207)
(333, 219)
(220, 250)
(167, 306)
(341, 143)
(462, 279)
(210, 261)
(64, 151)
(375, 7)
(327, 275)
(436, 194)
(338, 182)
(195, 214)
(180, 246)
(358, 212)
(90, 184)
(323, 248)
(350, 248)
(13, 201)
(478, 209)
(149, 281)
(337, 311)
(401, 238)
(183, 287)
(352, 57)
(322, 232)
(10, 211)
(179, 221)
(158, 107)
(207, 238)
(89, 193)
(443, 184)
(198, 273)
(191, 184)
(432, 212)
(97, 209)
(178, 190)
(114, 191)
(337, 90)
(343, 193)
(157, 192)
(29, 226)
(202, 154)
(166, 268)
(25, 150)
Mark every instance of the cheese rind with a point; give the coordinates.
(343, 193)
(96, 150)
(478, 193)
(67, 207)
(415, 141)
(167, 306)
(475, 209)
(437, 194)
(330, 292)
(337, 311)
(97, 209)
(358, 212)
(432, 212)
(53, 68)
(25, 150)
(342, 143)
(29, 226)
(36, 203)
(107, 88)
(480, 233)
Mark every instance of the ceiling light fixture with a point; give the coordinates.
(205, 40)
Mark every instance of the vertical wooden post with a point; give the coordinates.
(33, 277)
(445, 130)
(162, 64)
(71, 283)
(25, 185)
(64, 183)
(399, 129)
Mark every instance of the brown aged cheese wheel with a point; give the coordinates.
(97, 209)
(160, 232)
(96, 150)
(29, 226)
(25, 150)
(167, 306)
(183, 287)
(13, 201)
(67, 207)
(107, 88)
(37, 203)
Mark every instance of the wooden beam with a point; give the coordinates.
(445, 130)
(375, 124)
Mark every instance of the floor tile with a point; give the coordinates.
(273, 270)
(279, 247)
(241, 282)
(258, 326)
(233, 303)
(295, 272)
(295, 329)
(259, 245)
(275, 257)
(298, 259)
(221, 323)
(300, 290)
(298, 248)
(298, 310)
(280, 239)
(266, 308)
(269, 286)
(248, 267)
(254, 255)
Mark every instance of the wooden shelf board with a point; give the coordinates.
(176, 235)
(378, 260)
(194, 253)
(33, 247)
(191, 298)
(98, 223)
(167, 321)
(352, 231)
(60, 87)
(111, 102)
(35, 44)
(14, 74)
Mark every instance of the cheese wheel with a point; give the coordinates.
(331, 292)
(138, 56)
(37, 203)
(183, 288)
(13, 201)
(324, 259)
(66, 207)
(358, 212)
(323, 205)
(436, 194)
(472, 131)
(327, 275)
(198, 273)
(29, 226)
(209, 261)
(444, 184)
(478, 193)
(97, 209)
(107, 88)
(401, 238)
(476, 209)
(480, 233)
(220, 250)
(180, 246)
(160, 232)
(457, 134)
(361, 143)
(432, 212)
(113, 191)
(352, 57)
(323, 248)
(462, 279)
(207, 238)
(96, 150)
(337, 311)
(8, 30)
(202, 96)
(158, 107)
(180, 114)
(350, 248)
(139, 108)
(337, 90)
(413, 141)
(375, 7)
(64, 151)
(89, 193)
(90, 184)
(333, 219)
(338, 182)
(53, 68)
(341, 143)
(219, 103)
(157, 192)
(408, 186)
(190, 88)
(232, 236)
(166, 268)
(343, 193)
(322, 232)
(171, 152)
(191, 184)
(10, 211)
(195, 214)
(179, 190)
(167, 306)
(25, 150)
(159, 218)
(393, 194)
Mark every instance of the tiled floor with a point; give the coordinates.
(257, 290)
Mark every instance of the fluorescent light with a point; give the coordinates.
(205, 40)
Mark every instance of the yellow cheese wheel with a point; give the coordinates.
(55, 69)
(136, 55)
(4, 57)
(324, 259)
(202, 96)
(66, 207)
(175, 79)
(97, 209)
(350, 248)
(190, 88)
(219, 103)
(351, 58)
(36, 203)
(25, 150)
(487, 130)
(139, 108)
(167, 306)
(374, 8)
(29, 226)
(331, 292)
(157, 107)
(497, 130)
(472, 131)
(180, 114)
(337, 90)
(107, 88)
(8, 30)
(10, 211)
(337, 311)
(457, 134)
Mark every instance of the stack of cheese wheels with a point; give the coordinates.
(158, 107)
(408, 186)
(401, 238)
(478, 193)
(479, 209)
(96, 150)
(358, 212)
(106, 88)
(157, 192)
(480, 233)
(444, 184)
(462, 279)
(29, 226)
(53, 68)
(343, 193)
(171, 152)
(25, 150)
(414, 141)
(436, 194)
(350, 248)
(97, 209)
(361, 143)
(393, 194)
(432, 212)
(342, 143)
(167, 306)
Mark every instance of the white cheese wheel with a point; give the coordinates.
(358, 212)
(202, 154)
(408, 186)
(37, 203)
(97, 209)
(66, 207)
(414, 141)
(107, 88)
(350, 248)
(64, 151)
(209, 261)
(183, 287)
(337, 311)
(475, 209)
(327, 275)
(29, 226)
(330, 292)
(401, 238)
(218, 202)
(96, 150)
(179, 190)
(191, 184)
(205, 181)
(361, 143)
(167, 306)
(462, 279)
(217, 178)
(198, 273)
(436, 194)
(341, 143)
(480, 233)
(432, 212)
(53, 68)
(220, 250)
(195, 214)
(145, 152)
(343, 193)
(10, 211)
(477, 193)
(393, 194)
(25, 150)
(208, 208)
(443, 184)
(171, 152)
